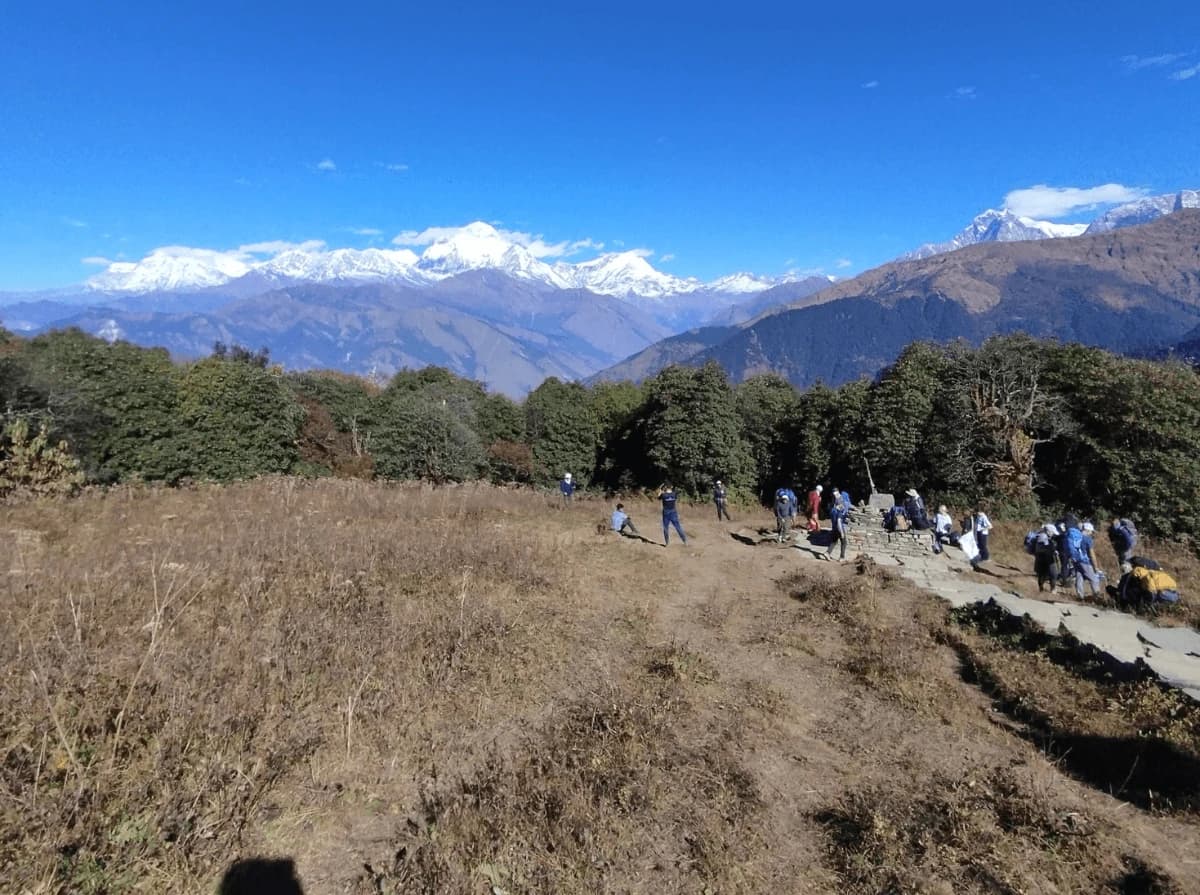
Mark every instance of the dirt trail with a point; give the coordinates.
(826, 732)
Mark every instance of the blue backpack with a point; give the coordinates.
(1075, 545)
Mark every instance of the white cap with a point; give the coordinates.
(1088, 527)
(819, 489)
(567, 476)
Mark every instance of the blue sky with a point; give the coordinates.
(758, 137)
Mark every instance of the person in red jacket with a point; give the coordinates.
(814, 509)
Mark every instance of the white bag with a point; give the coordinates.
(968, 546)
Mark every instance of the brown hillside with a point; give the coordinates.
(1161, 257)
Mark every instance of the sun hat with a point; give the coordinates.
(1088, 527)
(1050, 528)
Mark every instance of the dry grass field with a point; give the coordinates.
(468, 689)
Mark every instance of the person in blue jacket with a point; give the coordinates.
(839, 508)
(670, 514)
(567, 488)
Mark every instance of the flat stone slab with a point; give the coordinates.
(1175, 668)
(1044, 614)
(1114, 633)
(1177, 640)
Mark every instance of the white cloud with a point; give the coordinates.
(366, 231)
(97, 260)
(75, 222)
(843, 263)
(1042, 201)
(241, 181)
(870, 85)
(1185, 74)
(275, 246)
(326, 164)
(1137, 63)
(394, 168)
(536, 245)
(670, 256)
(964, 93)
(425, 237)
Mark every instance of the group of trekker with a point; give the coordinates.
(974, 530)
(1064, 553)
(787, 510)
(786, 506)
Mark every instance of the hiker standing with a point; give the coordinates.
(942, 525)
(914, 509)
(837, 524)
(1122, 534)
(719, 499)
(1079, 548)
(1066, 570)
(1045, 556)
(982, 527)
(622, 523)
(567, 488)
(670, 514)
(783, 514)
(814, 509)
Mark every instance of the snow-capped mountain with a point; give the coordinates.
(171, 268)
(625, 274)
(1143, 211)
(477, 246)
(997, 226)
(342, 265)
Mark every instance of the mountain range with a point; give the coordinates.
(486, 304)
(1129, 289)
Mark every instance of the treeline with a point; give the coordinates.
(1016, 422)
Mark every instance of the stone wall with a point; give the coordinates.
(866, 533)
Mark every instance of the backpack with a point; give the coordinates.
(1075, 545)
(1144, 562)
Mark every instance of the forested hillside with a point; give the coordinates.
(1015, 422)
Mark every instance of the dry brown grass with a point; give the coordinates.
(169, 658)
(462, 689)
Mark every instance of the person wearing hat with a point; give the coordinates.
(1084, 561)
(1045, 557)
(914, 509)
(567, 488)
(814, 509)
(719, 499)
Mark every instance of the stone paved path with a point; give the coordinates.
(1171, 653)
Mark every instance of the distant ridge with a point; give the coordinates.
(1128, 289)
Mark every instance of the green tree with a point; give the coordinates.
(768, 406)
(418, 436)
(897, 417)
(692, 430)
(243, 420)
(1134, 441)
(561, 426)
(117, 404)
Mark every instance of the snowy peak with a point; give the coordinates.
(341, 265)
(625, 274)
(1142, 211)
(998, 226)
(743, 283)
(170, 268)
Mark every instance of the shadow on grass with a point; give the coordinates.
(1152, 773)
(261, 876)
